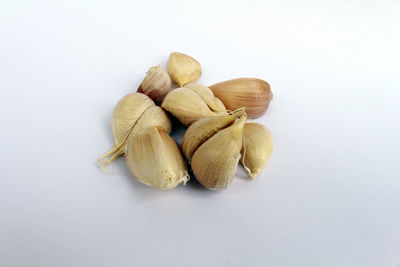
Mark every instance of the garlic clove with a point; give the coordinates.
(183, 69)
(154, 159)
(153, 116)
(124, 117)
(257, 148)
(253, 94)
(186, 106)
(203, 129)
(214, 163)
(208, 97)
(157, 84)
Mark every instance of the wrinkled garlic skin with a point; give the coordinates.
(183, 69)
(126, 113)
(156, 85)
(132, 113)
(257, 148)
(208, 97)
(215, 161)
(203, 129)
(189, 105)
(253, 94)
(155, 160)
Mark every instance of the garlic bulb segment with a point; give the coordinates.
(157, 84)
(214, 163)
(186, 106)
(183, 69)
(124, 117)
(253, 94)
(257, 148)
(154, 159)
(208, 97)
(203, 129)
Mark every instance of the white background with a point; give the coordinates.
(330, 195)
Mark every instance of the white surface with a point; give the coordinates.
(330, 195)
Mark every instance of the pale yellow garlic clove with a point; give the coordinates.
(153, 116)
(154, 159)
(208, 97)
(186, 106)
(157, 84)
(257, 148)
(215, 161)
(203, 129)
(132, 113)
(250, 93)
(183, 69)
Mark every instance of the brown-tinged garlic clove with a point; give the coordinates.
(250, 93)
(157, 84)
(183, 69)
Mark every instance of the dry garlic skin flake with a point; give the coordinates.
(154, 159)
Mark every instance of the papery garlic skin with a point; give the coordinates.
(253, 94)
(183, 69)
(186, 106)
(157, 84)
(125, 115)
(257, 148)
(200, 131)
(215, 161)
(132, 113)
(154, 159)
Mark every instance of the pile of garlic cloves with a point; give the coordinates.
(217, 137)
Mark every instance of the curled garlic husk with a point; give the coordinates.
(216, 153)
(157, 84)
(183, 69)
(132, 113)
(154, 159)
(192, 102)
(250, 93)
(257, 148)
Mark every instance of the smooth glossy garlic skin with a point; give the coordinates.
(183, 69)
(154, 159)
(257, 148)
(251, 93)
(132, 113)
(215, 161)
(157, 84)
(187, 106)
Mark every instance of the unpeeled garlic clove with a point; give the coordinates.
(152, 116)
(183, 69)
(251, 93)
(154, 159)
(157, 84)
(215, 161)
(133, 110)
(257, 148)
(187, 106)
(208, 97)
(203, 129)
